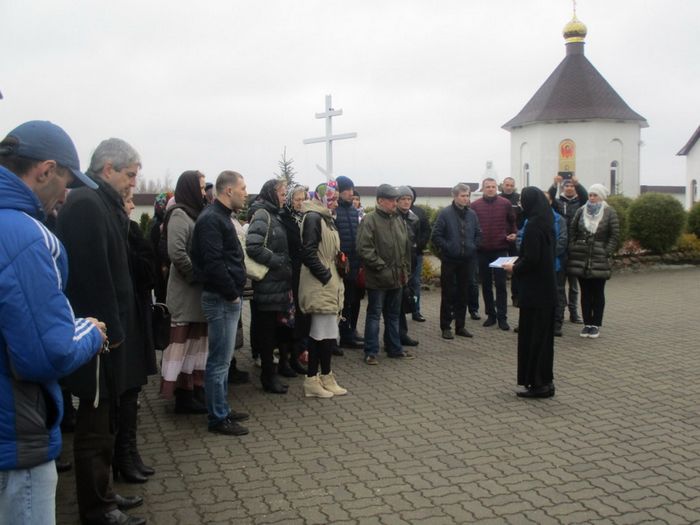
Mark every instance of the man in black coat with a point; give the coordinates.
(218, 262)
(93, 226)
(422, 239)
(347, 220)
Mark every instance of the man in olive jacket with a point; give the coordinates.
(384, 248)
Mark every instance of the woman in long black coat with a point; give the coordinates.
(537, 293)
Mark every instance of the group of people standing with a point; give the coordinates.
(76, 301)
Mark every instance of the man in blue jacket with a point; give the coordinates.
(40, 339)
(456, 236)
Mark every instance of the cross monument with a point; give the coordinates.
(328, 138)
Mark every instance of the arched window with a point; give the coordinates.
(614, 178)
(526, 174)
(693, 191)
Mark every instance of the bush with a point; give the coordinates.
(689, 243)
(694, 219)
(429, 273)
(656, 221)
(621, 204)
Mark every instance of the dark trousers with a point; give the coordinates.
(489, 277)
(268, 335)
(512, 252)
(473, 299)
(93, 445)
(351, 310)
(561, 299)
(592, 301)
(455, 282)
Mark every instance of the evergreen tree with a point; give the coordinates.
(286, 170)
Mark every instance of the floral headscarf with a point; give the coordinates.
(325, 191)
(288, 204)
(160, 203)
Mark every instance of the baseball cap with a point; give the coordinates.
(44, 140)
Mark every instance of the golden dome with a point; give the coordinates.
(575, 31)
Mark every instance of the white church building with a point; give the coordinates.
(691, 152)
(576, 123)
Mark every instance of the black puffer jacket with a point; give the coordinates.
(272, 292)
(590, 254)
(347, 221)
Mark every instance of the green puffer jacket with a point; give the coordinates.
(321, 289)
(590, 254)
(385, 250)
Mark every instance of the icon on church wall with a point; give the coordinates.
(567, 156)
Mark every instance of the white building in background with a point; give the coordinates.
(576, 123)
(691, 152)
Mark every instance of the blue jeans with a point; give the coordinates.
(28, 496)
(387, 302)
(414, 281)
(222, 316)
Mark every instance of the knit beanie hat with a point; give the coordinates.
(344, 183)
(405, 191)
(599, 190)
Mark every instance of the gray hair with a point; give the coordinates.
(117, 152)
(225, 179)
(461, 188)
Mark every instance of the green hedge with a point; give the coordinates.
(656, 221)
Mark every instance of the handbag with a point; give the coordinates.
(160, 325)
(253, 269)
(408, 300)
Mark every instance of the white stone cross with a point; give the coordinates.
(329, 137)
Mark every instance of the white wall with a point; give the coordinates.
(692, 170)
(598, 143)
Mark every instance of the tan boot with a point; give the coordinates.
(313, 388)
(329, 383)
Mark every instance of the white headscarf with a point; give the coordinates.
(593, 213)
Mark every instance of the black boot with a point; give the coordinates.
(283, 367)
(271, 383)
(185, 403)
(138, 462)
(294, 363)
(236, 376)
(199, 395)
(123, 463)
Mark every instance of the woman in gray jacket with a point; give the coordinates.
(593, 237)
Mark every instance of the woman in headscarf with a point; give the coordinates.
(321, 289)
(593, 237)
(185, 358)
(291, 216)
(537, 292)
(273, 304)
(159, 248)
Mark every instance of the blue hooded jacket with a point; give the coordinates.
(40, 339)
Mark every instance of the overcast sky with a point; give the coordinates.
(427, 85)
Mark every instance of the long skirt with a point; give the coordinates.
(536, 346)
(185, 358)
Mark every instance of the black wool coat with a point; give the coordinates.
(272, 292)
(93, 227)
(537, 287)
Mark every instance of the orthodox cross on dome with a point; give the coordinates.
(328, 138)
(574, 2)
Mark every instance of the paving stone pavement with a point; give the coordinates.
(444, 439)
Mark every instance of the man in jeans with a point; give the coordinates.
(383, 246)
(218, 261)
(498, 232)
(40, 339)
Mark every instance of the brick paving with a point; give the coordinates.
(444, 439)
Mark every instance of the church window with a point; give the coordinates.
(615, 182)
(526, 173)
(693, 191)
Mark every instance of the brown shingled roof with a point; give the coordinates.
(686, 149)
(574, 91)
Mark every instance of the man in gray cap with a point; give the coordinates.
(383, 246)
(408, 295)
(40, 339)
